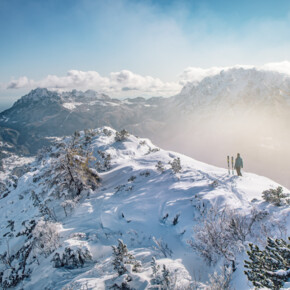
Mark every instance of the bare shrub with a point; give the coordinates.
(162, 247)
(221, 280)
(46, 237)
(223, 233)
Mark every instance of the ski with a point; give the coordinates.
(233, 165)
(228, 158)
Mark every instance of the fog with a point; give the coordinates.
(260, 135)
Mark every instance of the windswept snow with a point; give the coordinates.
(72, 105)
(137, 203)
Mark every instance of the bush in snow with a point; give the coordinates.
(71, 258)
(107, 132)
(145, 173)
(161, 276)
(88, 135)
(222, 234)
(68, 206)
(152, 150)
(269, 268)
(71, 174)
(220, 280)
(14, 266)
(132, 178)
(214, 184)
(105, 161)
(40, 238)
(276, 196)
(46, 237)
(121, 136)
(175, 220)
(175, 165)
(124, 263)
(162, 247)
(122, 283)
(2, 187)
(160, 167)
(122, 257)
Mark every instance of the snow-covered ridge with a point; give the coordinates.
(71, 100)
(139, 199)
(78, 97)
(234, 84)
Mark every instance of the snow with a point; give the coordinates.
(133, 209)
(72, 105)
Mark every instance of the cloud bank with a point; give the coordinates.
(115, 83)
(126, 82)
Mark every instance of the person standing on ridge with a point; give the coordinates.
(239, 164)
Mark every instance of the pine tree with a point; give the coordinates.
(166, 277)
(160, 167)
(175, 165)
(122, 257)
(155, 267)
(121, 136)
(270, 267)
(275, 196)
(56, 261)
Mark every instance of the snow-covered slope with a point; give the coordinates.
(154, 211)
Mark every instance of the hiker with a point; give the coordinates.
(239, 164)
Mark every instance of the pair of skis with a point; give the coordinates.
(232, 159)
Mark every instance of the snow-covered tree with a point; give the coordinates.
(46, 237)
(161, 276)
(160, 167)
(166, 277)
(71, 173)
(175, 165)
(270, 267)
(71, 258)
(276, 196)
(155, 267)
(122, 257)
(121, 136)
(104, 163)
(107, 132)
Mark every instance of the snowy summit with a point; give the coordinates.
(107, 210)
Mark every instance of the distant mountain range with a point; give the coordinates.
(238, 110)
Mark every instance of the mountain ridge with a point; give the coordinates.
(135, 200)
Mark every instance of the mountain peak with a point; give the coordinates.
(237, 84)
(38, 94)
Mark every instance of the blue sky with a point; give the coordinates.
(159, 39)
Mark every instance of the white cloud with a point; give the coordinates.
(281, 67)
(127, 83)
(116, 83)
(22, 82)
(197, 74)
